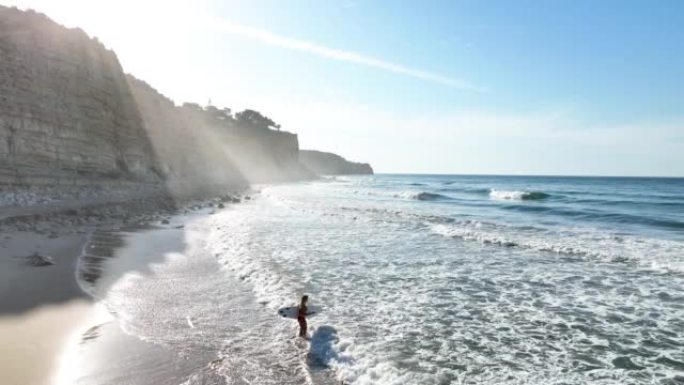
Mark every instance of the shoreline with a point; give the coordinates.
(43, 308)
(112, 351)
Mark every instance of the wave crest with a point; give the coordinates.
(517, 195)
(604, 247)
(421, 196)
(426, 196)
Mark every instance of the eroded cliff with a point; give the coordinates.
(69, 116)
(191, 159)
(66, 112)
(195, 147)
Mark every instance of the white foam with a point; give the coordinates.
(516, 195)
(406, 304)
(594, 244)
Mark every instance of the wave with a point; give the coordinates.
(420, 196)
(575, 244)
(415, 195)
(631, 203)
(590, 245)
(427, 196)
(599, 215)
(468, 190)
(517, 195)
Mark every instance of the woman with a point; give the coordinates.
(301, 316)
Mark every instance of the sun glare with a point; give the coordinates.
(125, 24)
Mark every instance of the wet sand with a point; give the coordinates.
(32, 342)
(54, 330)
(40, 306)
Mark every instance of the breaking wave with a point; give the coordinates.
(414, 195)
(427, 196)
(596, 246)
(517, 195)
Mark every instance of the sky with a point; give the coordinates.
(467, 87)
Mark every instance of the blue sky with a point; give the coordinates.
(495, 87)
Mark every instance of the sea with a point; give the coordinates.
(422, 279)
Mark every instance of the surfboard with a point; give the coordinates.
(293, 311)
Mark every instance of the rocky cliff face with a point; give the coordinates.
(191, 159)
(325, 163)
(195, 149)
(66, 112)
(69, 117)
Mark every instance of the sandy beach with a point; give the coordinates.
(48, 308)
(32, 342)
(40, 306)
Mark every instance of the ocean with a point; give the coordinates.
(422, 279)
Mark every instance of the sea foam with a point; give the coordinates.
(517, 195)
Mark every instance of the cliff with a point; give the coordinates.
(196, 148)
(71, 118)
(325, 163)
(66, 113)
(191, 159)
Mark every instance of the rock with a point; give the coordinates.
(64, 81)
(39, 260)
(165, 221)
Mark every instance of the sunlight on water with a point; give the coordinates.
(427, 280)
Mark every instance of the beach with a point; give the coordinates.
(41, 306)
(421, 280)
(49, 262)
(460, 192)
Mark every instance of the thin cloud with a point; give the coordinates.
(267, 37)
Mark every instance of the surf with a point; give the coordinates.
(518, 195)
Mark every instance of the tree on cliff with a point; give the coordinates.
(251, 118)
(227, 113)
(220, 114)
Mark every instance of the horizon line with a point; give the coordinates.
(532, 175)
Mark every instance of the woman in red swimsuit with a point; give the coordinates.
(301, 316)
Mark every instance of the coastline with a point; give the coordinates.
(44, 310)
(112, 350)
